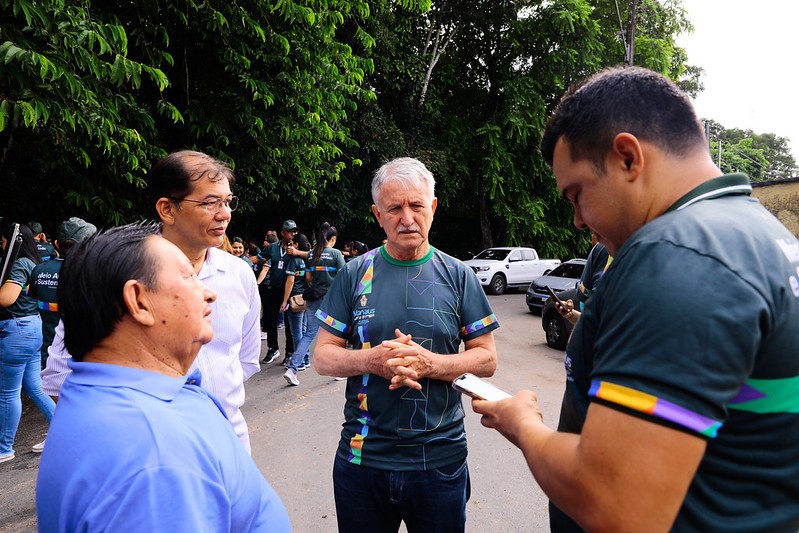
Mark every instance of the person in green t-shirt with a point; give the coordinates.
(20, 339)
(407, 307)
(46, 250)
(44, 280)
(322, 266)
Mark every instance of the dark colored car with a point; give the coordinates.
(562, 278)
(556, 328)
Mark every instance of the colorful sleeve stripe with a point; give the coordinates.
(779, 395)
(48, 306)
(321, 269)
(295, 273)
(365, 285)
(332, 322)
(652, 405)
(477, 326)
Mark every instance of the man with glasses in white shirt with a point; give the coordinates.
(192, 197)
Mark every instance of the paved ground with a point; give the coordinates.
(294, 432)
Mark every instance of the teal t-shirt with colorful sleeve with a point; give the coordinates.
(20, 274)
(438, 300)
(695, 326)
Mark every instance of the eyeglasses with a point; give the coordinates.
(213, 206)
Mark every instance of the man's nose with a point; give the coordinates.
(210, 296)
(407, 216)
(578, 220)
(224, 213)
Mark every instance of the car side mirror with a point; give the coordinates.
(546, 272)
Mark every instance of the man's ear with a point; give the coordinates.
(166, 210)
(627, 155)
(377, 214)
(135, 296)
(434, 204)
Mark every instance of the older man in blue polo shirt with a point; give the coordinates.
(136, 443)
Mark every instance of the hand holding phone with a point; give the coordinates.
(478, 388)
(557, 300)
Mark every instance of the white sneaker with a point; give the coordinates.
(7, 457)
(291, 377)
(38, 448)
(340, 379)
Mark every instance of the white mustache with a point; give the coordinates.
(412, 227)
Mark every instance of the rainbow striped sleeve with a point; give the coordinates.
(654, 406)
(332, 322)
(48, 306)
(468, 329)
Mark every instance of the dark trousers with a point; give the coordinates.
(376, 501)
(271, 298)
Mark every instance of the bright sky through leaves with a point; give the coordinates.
(748, 50)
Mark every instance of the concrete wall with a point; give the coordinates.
(782, 199)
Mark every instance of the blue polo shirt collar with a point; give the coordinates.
(153, 383)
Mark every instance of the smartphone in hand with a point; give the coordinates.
(478, 388)
(555, 299)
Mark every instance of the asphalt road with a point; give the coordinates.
(294, 432)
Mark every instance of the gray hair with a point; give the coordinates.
(408, 170)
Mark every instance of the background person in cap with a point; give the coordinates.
(44, 280)
(46, 249)
(276, 258)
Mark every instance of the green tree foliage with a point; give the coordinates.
(470, 83)
(67, 102)
(764, 156)
(92, 95)
(305, 98)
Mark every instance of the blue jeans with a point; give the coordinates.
(20, 364)
(369, 500)
(295, 326)
(301, 353)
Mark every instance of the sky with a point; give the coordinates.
(750, 51)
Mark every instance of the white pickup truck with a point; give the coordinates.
(500, 268)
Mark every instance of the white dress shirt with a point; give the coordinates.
(228, 360)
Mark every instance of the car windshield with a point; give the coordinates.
(493, 254)
(567, 270)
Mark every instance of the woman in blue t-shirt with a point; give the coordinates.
(20, 342)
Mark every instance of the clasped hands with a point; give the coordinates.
(404, 361)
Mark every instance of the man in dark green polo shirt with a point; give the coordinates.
(275, 260)
(688, 350)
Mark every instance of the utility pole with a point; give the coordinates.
(632, 15)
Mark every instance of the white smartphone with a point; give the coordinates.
(478, 388)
